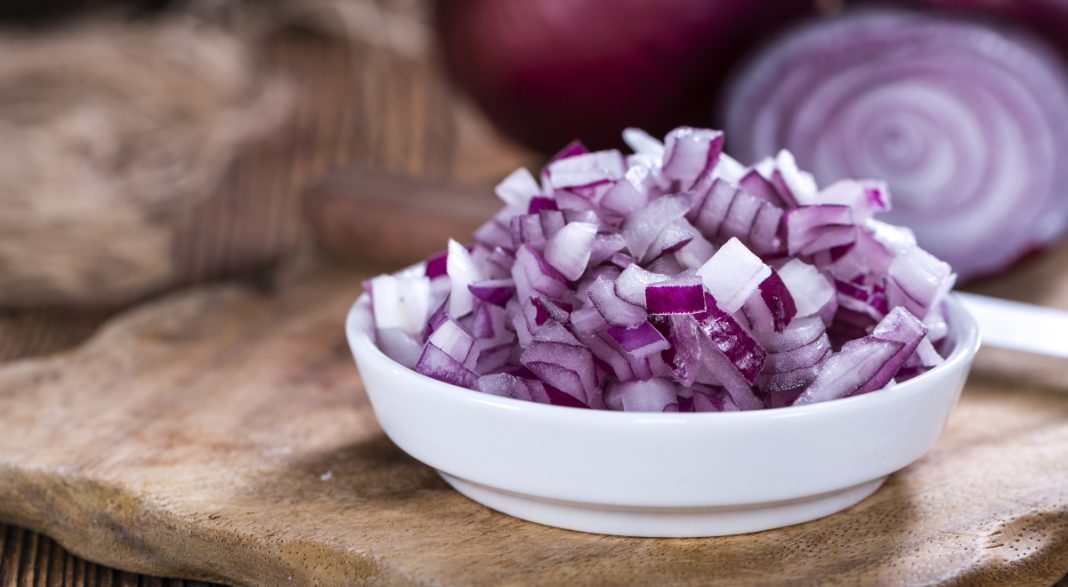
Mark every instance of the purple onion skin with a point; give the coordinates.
(980, 195)
(546, 71)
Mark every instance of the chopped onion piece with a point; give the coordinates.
(690, 152)
(569, 249)
(586, 169)
(462, 273)
(494, 291)
(399, 345)
(732, 275)
(640, 341)
(643, 226)
(633, 281)
(401, 302)
(615, 310)
(518, 188)
(653, 395)
(673, 297)
(811, 291)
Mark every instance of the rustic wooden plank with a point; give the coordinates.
(227, 407)
(50, 565)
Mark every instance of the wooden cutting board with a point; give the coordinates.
(222, 434)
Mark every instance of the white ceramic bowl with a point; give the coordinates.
(661, 474)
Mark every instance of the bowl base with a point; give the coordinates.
(653, 522)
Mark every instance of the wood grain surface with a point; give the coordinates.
(222, 434)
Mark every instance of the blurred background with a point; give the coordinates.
(155, 144)
(151, 144)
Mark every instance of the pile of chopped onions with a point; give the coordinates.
(672, 279)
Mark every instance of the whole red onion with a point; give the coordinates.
(546, 71)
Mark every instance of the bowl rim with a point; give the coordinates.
(359, 328)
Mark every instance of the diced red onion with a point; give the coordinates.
(917, 279)
(462, 273)
(451, 338)
(502, 384)
(868, 363)
(640, 309)
(811, 229)
(494, 291)
(435, 266)
(643, 226)
(569, 249)
(810, 290)
(733, 274)
(436, 364)
(632, 283)
(518, 188)
(771, 307)
(653, 395)
(531, 273)
(401, 302)
(586, 169)
(673, 297)
(689, 153)
(640, 341)
(399, 345)
(615, 310)
(712, 399)
(539, 203)
(606, 247)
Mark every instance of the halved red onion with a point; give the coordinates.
(966, 122)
